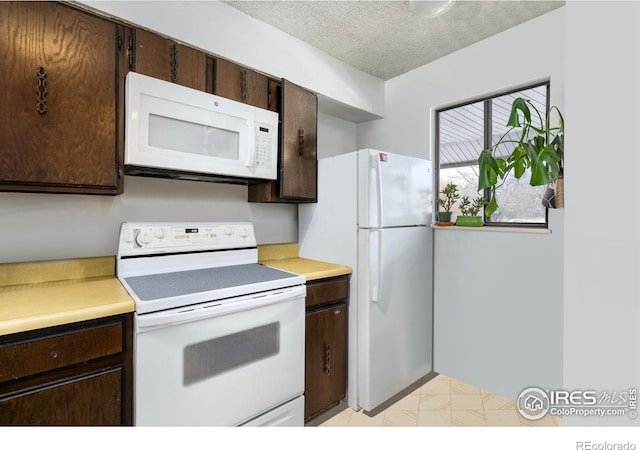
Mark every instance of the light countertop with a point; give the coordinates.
(42, 294)
(48, 293)
(285, 257)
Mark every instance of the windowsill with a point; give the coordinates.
(489, 229)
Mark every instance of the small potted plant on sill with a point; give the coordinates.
(451, 196)
(470, 210)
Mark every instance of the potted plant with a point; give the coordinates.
(451, 196)
(539, 147)
(470, 209)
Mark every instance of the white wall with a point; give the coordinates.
(498, 307)
(59, 226)
(602, 259)
(482, 300)
(335, 136)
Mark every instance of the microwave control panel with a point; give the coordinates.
(264, 145)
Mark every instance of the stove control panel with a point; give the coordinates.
(137, 238)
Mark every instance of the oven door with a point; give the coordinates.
(220, 364)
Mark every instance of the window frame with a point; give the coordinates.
(487, 130)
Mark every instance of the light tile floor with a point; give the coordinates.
(440, 402)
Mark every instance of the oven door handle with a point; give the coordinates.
(149, 322)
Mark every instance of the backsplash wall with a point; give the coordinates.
(36, 227)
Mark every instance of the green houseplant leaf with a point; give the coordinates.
(518, 162)
(545, 168)
(489, 170)
(519, 104)
(493, 204)
(539, 148)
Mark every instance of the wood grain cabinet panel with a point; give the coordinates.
(165, 59)
(76, 374)
(299, 170)
(61, 350)
(297, 160)
(93, 399)
(241, 84)
(62, 80)
(329, 291)
(325, 359)
(325, 344)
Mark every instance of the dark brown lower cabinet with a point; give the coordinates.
(325, 345)
(77, 374)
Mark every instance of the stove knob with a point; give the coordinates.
(244, 233)
(228, 231)
(143, 239)
(128, 237)
(160, 233)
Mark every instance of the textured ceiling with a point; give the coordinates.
(383, 38)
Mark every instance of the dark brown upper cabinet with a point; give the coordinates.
(162, 58)
(62, 78)
(241, 84)
(297, 160)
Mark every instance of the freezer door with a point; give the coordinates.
(394, 311)
(393, 190)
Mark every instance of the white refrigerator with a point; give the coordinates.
(374, 213)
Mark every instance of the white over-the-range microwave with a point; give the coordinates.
(177, 132)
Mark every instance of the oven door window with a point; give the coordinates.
(222, 354)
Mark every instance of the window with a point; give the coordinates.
(463, 131)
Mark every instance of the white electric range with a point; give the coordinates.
(219, 338)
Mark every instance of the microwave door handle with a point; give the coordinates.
(251, 152)
(250, 157)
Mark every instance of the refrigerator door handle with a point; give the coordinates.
(379, 180)
(376, 262)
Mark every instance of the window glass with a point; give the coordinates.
(461, 141)
(465, 130)
(518, 201)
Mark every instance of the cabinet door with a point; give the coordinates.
(241, 84)
(299, 168)
(159, 57)
(59, 111)
(325, 359)
(297, 160)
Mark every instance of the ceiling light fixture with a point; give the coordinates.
(429, 8)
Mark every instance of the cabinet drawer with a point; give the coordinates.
(329, 291)
(37, 354)
(94, 399)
